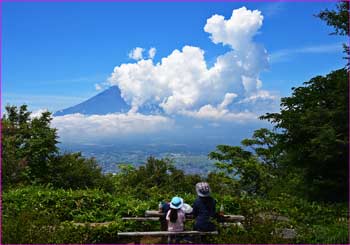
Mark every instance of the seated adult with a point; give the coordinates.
(204, 208)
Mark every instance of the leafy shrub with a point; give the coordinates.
(45, 215)
(71, 170)
(158, 178)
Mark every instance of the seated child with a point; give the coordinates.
(175, 217)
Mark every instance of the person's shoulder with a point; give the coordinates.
(166, 206)
(211, 198)
(198, 200)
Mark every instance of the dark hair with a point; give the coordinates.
(173, 215)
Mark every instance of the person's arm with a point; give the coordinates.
(168, 215)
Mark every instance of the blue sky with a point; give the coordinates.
(55, 54)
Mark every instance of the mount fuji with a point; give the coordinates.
(108, 101)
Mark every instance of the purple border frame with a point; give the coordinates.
(171, 1)
(183, 1)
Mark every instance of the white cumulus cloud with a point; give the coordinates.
(212, 113)
(77, 126)
(220, 112)
(183, 82)
(152, 52)
(38, 113)
(136, 53)
(236, 31)
(227, 100)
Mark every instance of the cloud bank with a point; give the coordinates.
(78, 127)
(183, 83)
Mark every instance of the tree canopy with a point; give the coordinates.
(27, 145)
(30, 155)
(314, 133)
(339, 19)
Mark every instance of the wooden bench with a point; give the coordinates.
(167, 233)
(155, 215)
(141, 218)
(138, 234)
(225, 218)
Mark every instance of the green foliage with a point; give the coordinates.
(71, 170)
(258, 167)
(250, 174)
(158, 177)
(68, 233)
(313, 222)
(27, 145)
(80, 205)
(46, 215)
(314, 134)
(326, 234)
(222, 184)
(30, 155)
(339, 19)
(264, 144)
(27, 226)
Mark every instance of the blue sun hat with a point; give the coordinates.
(176, 203)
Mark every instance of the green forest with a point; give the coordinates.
(298, 169)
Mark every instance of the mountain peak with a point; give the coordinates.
(108, 101)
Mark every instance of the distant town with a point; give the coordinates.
(109, 157)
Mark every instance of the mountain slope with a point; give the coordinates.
(108, 101)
